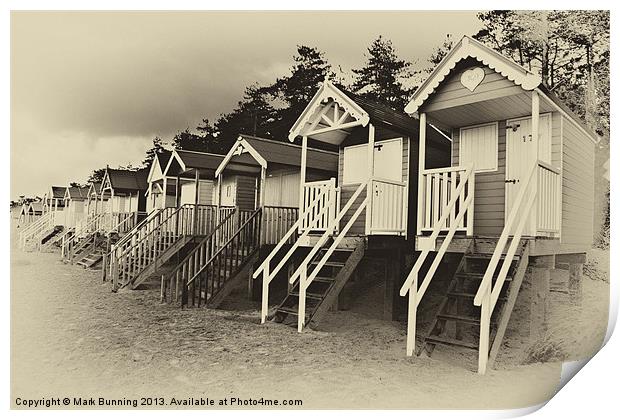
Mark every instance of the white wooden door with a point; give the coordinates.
(228, 192)
(522, 151)
(388, 191)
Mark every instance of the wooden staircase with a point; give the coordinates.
(457, 321)
(321, 212)
(146, 248)
(75, 241)
(218, 264)
(31, 237)
(142, 252)
(324, 290)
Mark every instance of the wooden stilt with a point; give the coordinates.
(412, 316)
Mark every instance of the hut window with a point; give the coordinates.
(478, 145)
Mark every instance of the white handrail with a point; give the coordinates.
(285, 238)
(264, 267)
(437, 228)
(488, 294)
(302, 271)
(326, 234)
(501, 243)
(411, 283)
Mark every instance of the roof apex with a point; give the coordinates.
(469, 47)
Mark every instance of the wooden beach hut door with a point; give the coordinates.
(228, 192)
(522, 151)
(387, 188)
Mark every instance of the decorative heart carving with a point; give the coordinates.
(472, 78)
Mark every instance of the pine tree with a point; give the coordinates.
(186, 140)
(381, 77)
(158, 146)
(295, 91)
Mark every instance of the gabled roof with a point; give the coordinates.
(126, 179)
(76, 193)
(94, 188)
(382, 114)
(328, 91)
(162, 158)
(158, 166)
(469, 47)
(366, 110)
(57, 192)
(188, 160)
(266, 151)
(36, 207)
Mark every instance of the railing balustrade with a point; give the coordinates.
(329, 195)
(437, 188)
(387, 206)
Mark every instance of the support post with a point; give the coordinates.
(412, 316)
(485, 331)
(196, 199)
(165, 192)
(535, 123)
(421, 167)
(371, 170)
(575, 283)
(265, 296)
(261, 202)
(302, 177)
(177, 194)
(301, 309)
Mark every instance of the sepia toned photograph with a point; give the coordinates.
(301, 210)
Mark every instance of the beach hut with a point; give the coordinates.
(366, 212)
(75, 200)
(161, 190)
(34, 211)
(123, 191)
(193, 174)
(22, 216)
(260, 179)
(515, 202)
(189, 215)
(53, 202)
(94, 200)
(113, 211)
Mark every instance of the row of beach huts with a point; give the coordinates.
(481, 188)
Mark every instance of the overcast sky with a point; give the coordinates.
(93, 88)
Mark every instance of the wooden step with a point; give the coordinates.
(451, 342)
(309, 295)
(329, 263)
(323, 279)
(478, 276)
(469, 296)
(488, 256)
(461, 318)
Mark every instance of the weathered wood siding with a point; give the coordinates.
(490, 198)
(489, 201)
(282, 187)
(451, 93)
(577, 190)
(205, 191)
(245, 192)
